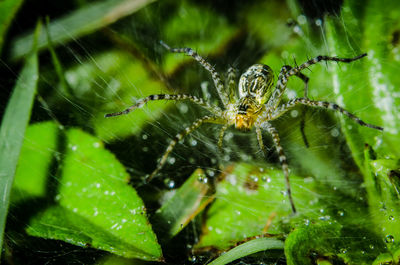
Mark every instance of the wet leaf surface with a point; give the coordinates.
(94, 205)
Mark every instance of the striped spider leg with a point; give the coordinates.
(219, 85)
(304, 101)
(214, 110)
(285, 74)
(303, 115)
(274, 111)
(323, 104)
(305, 79)
(231, 84)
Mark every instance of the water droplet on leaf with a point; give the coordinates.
(389, 239)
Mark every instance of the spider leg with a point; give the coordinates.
(286, 73)
(143, 101)
(260, 140)
(196, 124)
(302, 127)
(320, 58)
(231, 83)
(328, 105)
(300, 75)
(214, 74)
(221, 136)
(304, 110)
(282, 159)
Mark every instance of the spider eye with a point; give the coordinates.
(257, 82)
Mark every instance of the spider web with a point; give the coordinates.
(107, 71)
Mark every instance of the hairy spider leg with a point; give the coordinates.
(260, 140)
(214, 74)
(196, 124)
(305, 79)
(231, 82)
(328, 105)
(282, 159)
(285, 75)
(221, 136)
(320, 58)
(302, 127)
(213, 109)
(287, 68)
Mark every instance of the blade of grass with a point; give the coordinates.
(248, 248)
(13, 127)
(8, 9)
(56, 62)
(79, 23)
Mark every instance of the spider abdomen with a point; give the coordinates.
(257, 82)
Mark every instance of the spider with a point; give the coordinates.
(259, 102)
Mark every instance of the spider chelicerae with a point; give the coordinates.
(259, 102)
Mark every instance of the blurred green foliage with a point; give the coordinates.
(80, 176)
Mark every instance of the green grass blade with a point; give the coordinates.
(248, 248)
(8, 9)
(13, 127)
(56, 62)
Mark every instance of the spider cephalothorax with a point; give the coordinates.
(247, 112)
(258, 104)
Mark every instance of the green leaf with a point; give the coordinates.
(249, 199)
(384, 258)
(323, 262)
(96, 205)
(383, 189)
(321, 238)
(248, 248)
(366, 87)
(196, 19)
(59, 223)
(183, 206)
(117, 260)
(79, 23)
(12, 131)
(37, 155)
(8, 9)
(111, 82)
(383, 63)
(369, 87)
(274, 32)
(333, 241)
